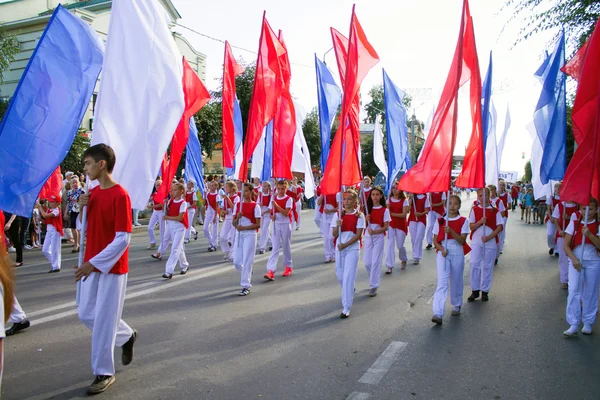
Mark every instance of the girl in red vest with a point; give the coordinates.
(450, 239)
(318, 217)
(437, 208)
(329, 207)
(378, 220)
(227, 230)
(582, 245)
(506, 201)
(292, 192)
(498, 205)
(211, 219)
(246, 221)
(54, 232)
(561, 216)
(399, 207)
(417, 222)
(351, 224)
(264, 200)
(177, 222)
(191, 198)
(156, 218)
(281, 209)
(552, 203)
(484, 236)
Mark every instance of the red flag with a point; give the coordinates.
(432, 172)
(53, 185)
(196, 96)
(231, 69)
(267, 89)
(582, 177)
(573, 67)
(343, 165)
(284, 126)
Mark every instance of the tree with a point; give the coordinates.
(72, 161)
(579, 16)
(208, 122)
(312, 134)
(3, 107)
(9, 46)
(528, 174)
(377, 106)
(368, 166)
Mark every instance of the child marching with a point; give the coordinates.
(264, 200)
(437, 209)
(177, 223)
(191, 199)
(227, 230)
(281, 209)
(450, 238)
(54, 232)
(562, 216)
(417, 223)
(498, 205)
(378, 219)
(247, 222)
(329, 206)
(506, 201)
(351, 224)
(156, 218)
(399, 207)
(552, 203)
(211, 220)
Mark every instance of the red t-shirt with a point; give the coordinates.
(109, 212)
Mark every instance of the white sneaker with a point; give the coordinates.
(572, 331)
(12, 250)
(27, 247)
(151, 246)
(587, 329)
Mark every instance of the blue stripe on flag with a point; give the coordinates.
(193, 158)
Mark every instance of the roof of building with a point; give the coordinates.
(79, 4)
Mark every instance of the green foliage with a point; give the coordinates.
(3, 107)
(528, 173)
(9, 46)
(312, 134)
(208, 122)
(72, 161)
(368, 166)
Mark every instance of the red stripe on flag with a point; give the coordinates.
(231, 69)
(53, 185)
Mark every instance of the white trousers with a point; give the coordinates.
(328, 237)
(346, 267)
(176, 232)
(51, 248)
(482, 267)
(243, 258)
(502, 236)
(211, 226)
(298, 206)
(563, 261)
(282, 238)
(396, 238)
(432, 218)
(190, 230)
(373, 254)
(318, 218)
(265, 232)
(582, 302)
(156, 218)
(227, 235)
(550, 236)
(449, 274)
(417, 233)
(17, 314)
(100, 308)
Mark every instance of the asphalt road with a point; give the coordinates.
(199, 340)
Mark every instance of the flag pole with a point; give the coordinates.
(587, 211)
(81, 245)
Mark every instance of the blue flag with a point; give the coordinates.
(329, 96)
(396, 130)
(267, 167)
(46, 109)
(239, 136)
(550, 116)
(487, 96)
(193, 158)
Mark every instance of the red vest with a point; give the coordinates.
(189, 198)
(555, 202)
(211, 200)
(376, 216)
(565, 210)
(330, 199)
(248, 210)
(173, 211)
(281, 203)
(397, 208)
(293, 195)
(578, 234)
(437, 197)
(158, 206)
(349, 222)
(265, 199)
(490, 215)
(504, 199)
(514, 191)
(54, 221)
(456, 226)
(226, 203)
(420, 206)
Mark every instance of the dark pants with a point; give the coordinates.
(24, 230)
(13, 234)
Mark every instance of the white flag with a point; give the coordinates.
(301, 157)
(492, 168)
(507, 122)
(539, 189)
(378, 153)
(140, 101)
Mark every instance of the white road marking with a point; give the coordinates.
(157, 286)
(374, 375)
(358, 396)
(430, 300)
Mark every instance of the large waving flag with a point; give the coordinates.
(489, 122)
(396, 130)
(583, 174)
(433, 170)
(268, 85)
(343, 166)
(550, 116)
(378, 153)
(231, 69)
(502, 140)
(141, 99)
(196, 96)
(193, 158)
(284, 126)
(46, 109)
(238, 142)
(573, 67)
(301, 160)
(53, 185)
(329, 96)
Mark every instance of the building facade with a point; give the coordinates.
(27, 20)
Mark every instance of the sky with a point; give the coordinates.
(415, 40)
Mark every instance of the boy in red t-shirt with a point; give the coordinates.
(105, 267)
